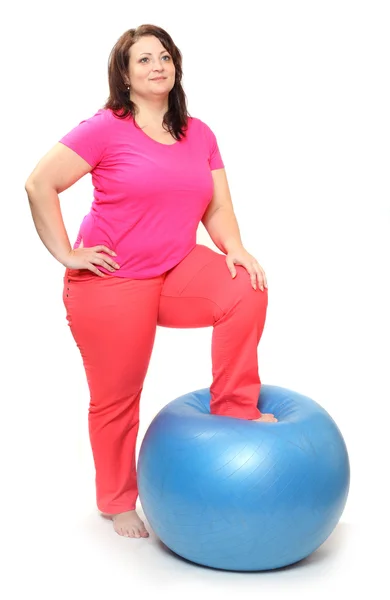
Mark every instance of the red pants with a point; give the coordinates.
(113, 321)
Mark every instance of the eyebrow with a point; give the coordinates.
(151, 54)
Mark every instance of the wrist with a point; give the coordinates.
(63, 258)
(233, 244)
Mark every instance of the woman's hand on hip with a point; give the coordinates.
(87, 258)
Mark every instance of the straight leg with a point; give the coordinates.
(113, 321)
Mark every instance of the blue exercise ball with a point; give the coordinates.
(242, 495)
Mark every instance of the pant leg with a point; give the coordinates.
(113, 321)
(200, 292)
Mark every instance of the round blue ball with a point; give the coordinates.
(242, 495)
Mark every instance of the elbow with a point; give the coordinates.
(33, 181)
(28, 185)
(32, 185)
(31, 190)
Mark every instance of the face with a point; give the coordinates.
(149, 60)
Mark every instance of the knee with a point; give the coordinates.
(248, 295)
(238, 294)
(257, 299)
(251, 304)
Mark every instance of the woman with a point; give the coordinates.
(135, 264)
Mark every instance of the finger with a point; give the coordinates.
(107, 261)
(95, 270)
(253, 275)
(104, 262)
(260, 277)
(264, 277)
(111, 263)
(102, 248)
(232, 269)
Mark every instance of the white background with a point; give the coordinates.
(297, 94)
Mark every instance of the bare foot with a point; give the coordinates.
(267, 418)
(128, 524)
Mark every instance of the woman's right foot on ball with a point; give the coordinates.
(267, 418)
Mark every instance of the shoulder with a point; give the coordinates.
(101, 115)
(90, 137)
(199, 127)
(205, 132)
(204, 128)
(95, 123)
(99, 125)
(197, 123)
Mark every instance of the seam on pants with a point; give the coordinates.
(228, 405)
(197, 273)
(196, 298)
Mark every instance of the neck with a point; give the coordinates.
(150, 110)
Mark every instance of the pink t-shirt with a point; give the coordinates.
(149, 197)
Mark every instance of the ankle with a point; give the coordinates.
(110, 515)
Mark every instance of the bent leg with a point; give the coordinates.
(200, 292)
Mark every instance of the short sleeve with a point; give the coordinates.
(215, 159)
(89, 138)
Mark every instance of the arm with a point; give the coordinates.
(48, 221)
(219, 218)
(60, 168)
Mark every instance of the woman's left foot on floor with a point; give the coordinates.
(128, 524)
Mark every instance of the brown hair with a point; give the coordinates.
(119, 102)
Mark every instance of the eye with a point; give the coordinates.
(146, 58)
